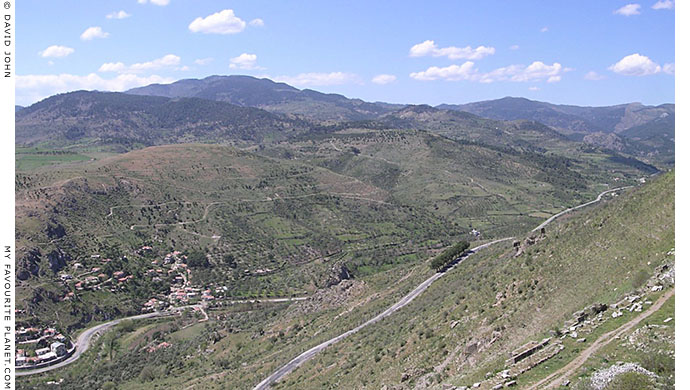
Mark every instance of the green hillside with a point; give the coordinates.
(647, 131)
(287, 223)
(121, 122)
(462, 327)
(467, 323)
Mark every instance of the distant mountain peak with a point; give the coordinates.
(267, 94)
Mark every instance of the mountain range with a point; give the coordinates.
(243, 109)
(271, 96)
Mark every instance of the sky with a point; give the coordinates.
(587, 52)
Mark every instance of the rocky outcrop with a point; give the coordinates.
(609, 141)
(41, 294)
(58, 259)
(55, 230)
(339, 272)
(529, 241)
(28, 266)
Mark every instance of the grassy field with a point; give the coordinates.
(29, 159)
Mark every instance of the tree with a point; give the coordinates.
(112, 345)
(446, 257)
(230, 260)
(197, 259)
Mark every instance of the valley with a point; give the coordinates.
(267, 236)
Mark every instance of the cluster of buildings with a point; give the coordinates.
(93, 279)
(172, 267)
(182, 292)
(53, 346)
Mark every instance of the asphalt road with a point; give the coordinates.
(84, 341)
(548, 221)
(296, 362)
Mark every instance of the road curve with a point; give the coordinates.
(299, 360)
(578, 207)
(84, 341)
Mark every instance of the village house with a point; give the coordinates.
(46, 357)
(58, 348)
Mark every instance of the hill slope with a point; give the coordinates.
(86, 119)
(462, 327)
(466, 324)
(469, 127)
(654, 126)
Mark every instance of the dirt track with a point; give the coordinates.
(557, 378)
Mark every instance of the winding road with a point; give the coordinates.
(577, 207)
(299, 360)
(84, 340)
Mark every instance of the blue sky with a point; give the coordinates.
(571, 52)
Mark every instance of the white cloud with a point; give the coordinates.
(628, 10)
(169, 60)
(118, 15)
(112, 67)
(203, 61)
(56, 51)
(319, 79)
(257, 22)
(243, 61)
(670, 68)
(156, 2)
(429, 48)
(534, 88)
(223, 22)
(544, 29)
(514, 47)
(452, 73)
(663, 4)
(537, 71)
(31, 88)
(93, 33)
(594, 76)
(635, 65)
(383, 79)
